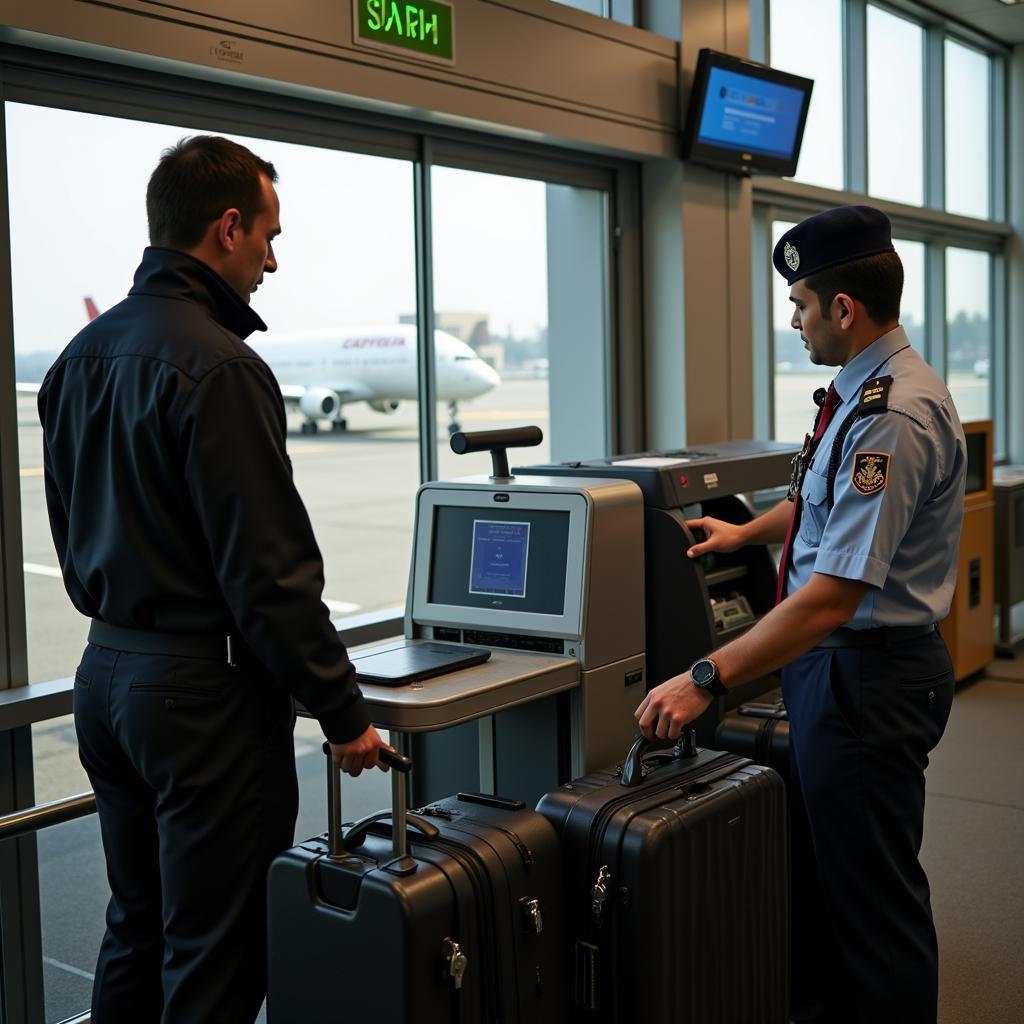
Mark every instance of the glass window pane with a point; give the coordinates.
(623, 11)
(895, 107)
(793, 22)
(912, 312)
(796, 378)
(968, 142)
(519, 264)
(969, 338)
(358, 484)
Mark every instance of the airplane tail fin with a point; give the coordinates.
(90, 308)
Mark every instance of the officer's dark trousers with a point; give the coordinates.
(862, 721)
(193, 766)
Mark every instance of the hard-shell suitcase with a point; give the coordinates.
(676, 894)
(758, 730)
(461, 925)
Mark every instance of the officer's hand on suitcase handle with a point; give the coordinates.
(632, 767)
(670, 706)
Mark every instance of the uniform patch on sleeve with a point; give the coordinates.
(871, 472)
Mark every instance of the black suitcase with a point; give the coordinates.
(677, 890)
(758, 730)
(462, 925)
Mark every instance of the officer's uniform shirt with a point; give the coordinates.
(898, 492)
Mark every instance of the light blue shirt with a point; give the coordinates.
(901, 534)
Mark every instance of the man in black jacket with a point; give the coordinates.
(181, 535)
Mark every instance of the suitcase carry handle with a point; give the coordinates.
(632, 767)
(356, 835)
(402, 765)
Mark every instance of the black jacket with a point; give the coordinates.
(170, 492)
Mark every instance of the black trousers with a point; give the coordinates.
(862, 722)
(193, 765)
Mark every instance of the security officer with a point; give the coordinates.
(869, 567)
(181, 535)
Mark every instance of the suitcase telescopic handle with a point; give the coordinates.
(401, 764)
(632, 767)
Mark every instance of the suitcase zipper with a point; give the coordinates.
(491, 978)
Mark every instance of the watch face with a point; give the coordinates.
(703, 672)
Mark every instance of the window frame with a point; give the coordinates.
(784, 199)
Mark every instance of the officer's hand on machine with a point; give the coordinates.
(669, 707)
(362, 752)
(714, 535)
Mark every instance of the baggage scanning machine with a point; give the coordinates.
(692, 605)
(545, 574)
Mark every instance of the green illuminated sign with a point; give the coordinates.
(426, 27)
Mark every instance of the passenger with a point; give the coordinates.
(869, 564)
(181, 535)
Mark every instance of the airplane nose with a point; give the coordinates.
(487, 374)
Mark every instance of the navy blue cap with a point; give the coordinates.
(830, 238)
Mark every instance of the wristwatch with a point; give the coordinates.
(704, 673)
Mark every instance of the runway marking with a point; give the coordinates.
(43, 570)
(342, 607)
(32, 471)
(69, 968)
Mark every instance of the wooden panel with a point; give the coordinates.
(969, 631)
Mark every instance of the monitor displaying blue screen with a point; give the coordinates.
(747, 113)
(500, 555)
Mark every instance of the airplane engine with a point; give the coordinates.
(386, 407)
(319, 403)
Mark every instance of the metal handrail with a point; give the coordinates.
(56, 812)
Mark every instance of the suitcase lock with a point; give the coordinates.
(532, 913)
(599, 893)
(456, 960)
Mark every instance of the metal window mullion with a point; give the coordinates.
(935, 118)
(764, 324)
(936, 331)
(21, 970)
(998, 127)
(855, 96)
(426, 367)
(997, 377)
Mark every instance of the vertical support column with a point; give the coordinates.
(935, 118)
(578, 326)
(1014, 170)
(426, 367)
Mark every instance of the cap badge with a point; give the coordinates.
(791, 256)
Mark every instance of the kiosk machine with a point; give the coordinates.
(694, 606)
(523, 658)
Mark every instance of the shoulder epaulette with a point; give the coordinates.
(874, 396)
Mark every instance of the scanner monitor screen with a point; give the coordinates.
(513, 559)
(746, 117)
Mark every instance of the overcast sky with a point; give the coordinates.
(346, 255)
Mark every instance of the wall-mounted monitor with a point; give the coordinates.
(745, 117)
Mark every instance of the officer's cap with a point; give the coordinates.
(830, 238)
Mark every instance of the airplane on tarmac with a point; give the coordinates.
(322, 371)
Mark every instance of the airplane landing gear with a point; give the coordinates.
(309, 427)
(453, 424)
(339, 425)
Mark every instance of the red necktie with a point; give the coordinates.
(828, 407)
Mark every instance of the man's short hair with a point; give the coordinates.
(876, 281)
(195, 182)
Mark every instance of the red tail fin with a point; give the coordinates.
(90, 308)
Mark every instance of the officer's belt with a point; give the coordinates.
(879, 636)
(174, 645)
